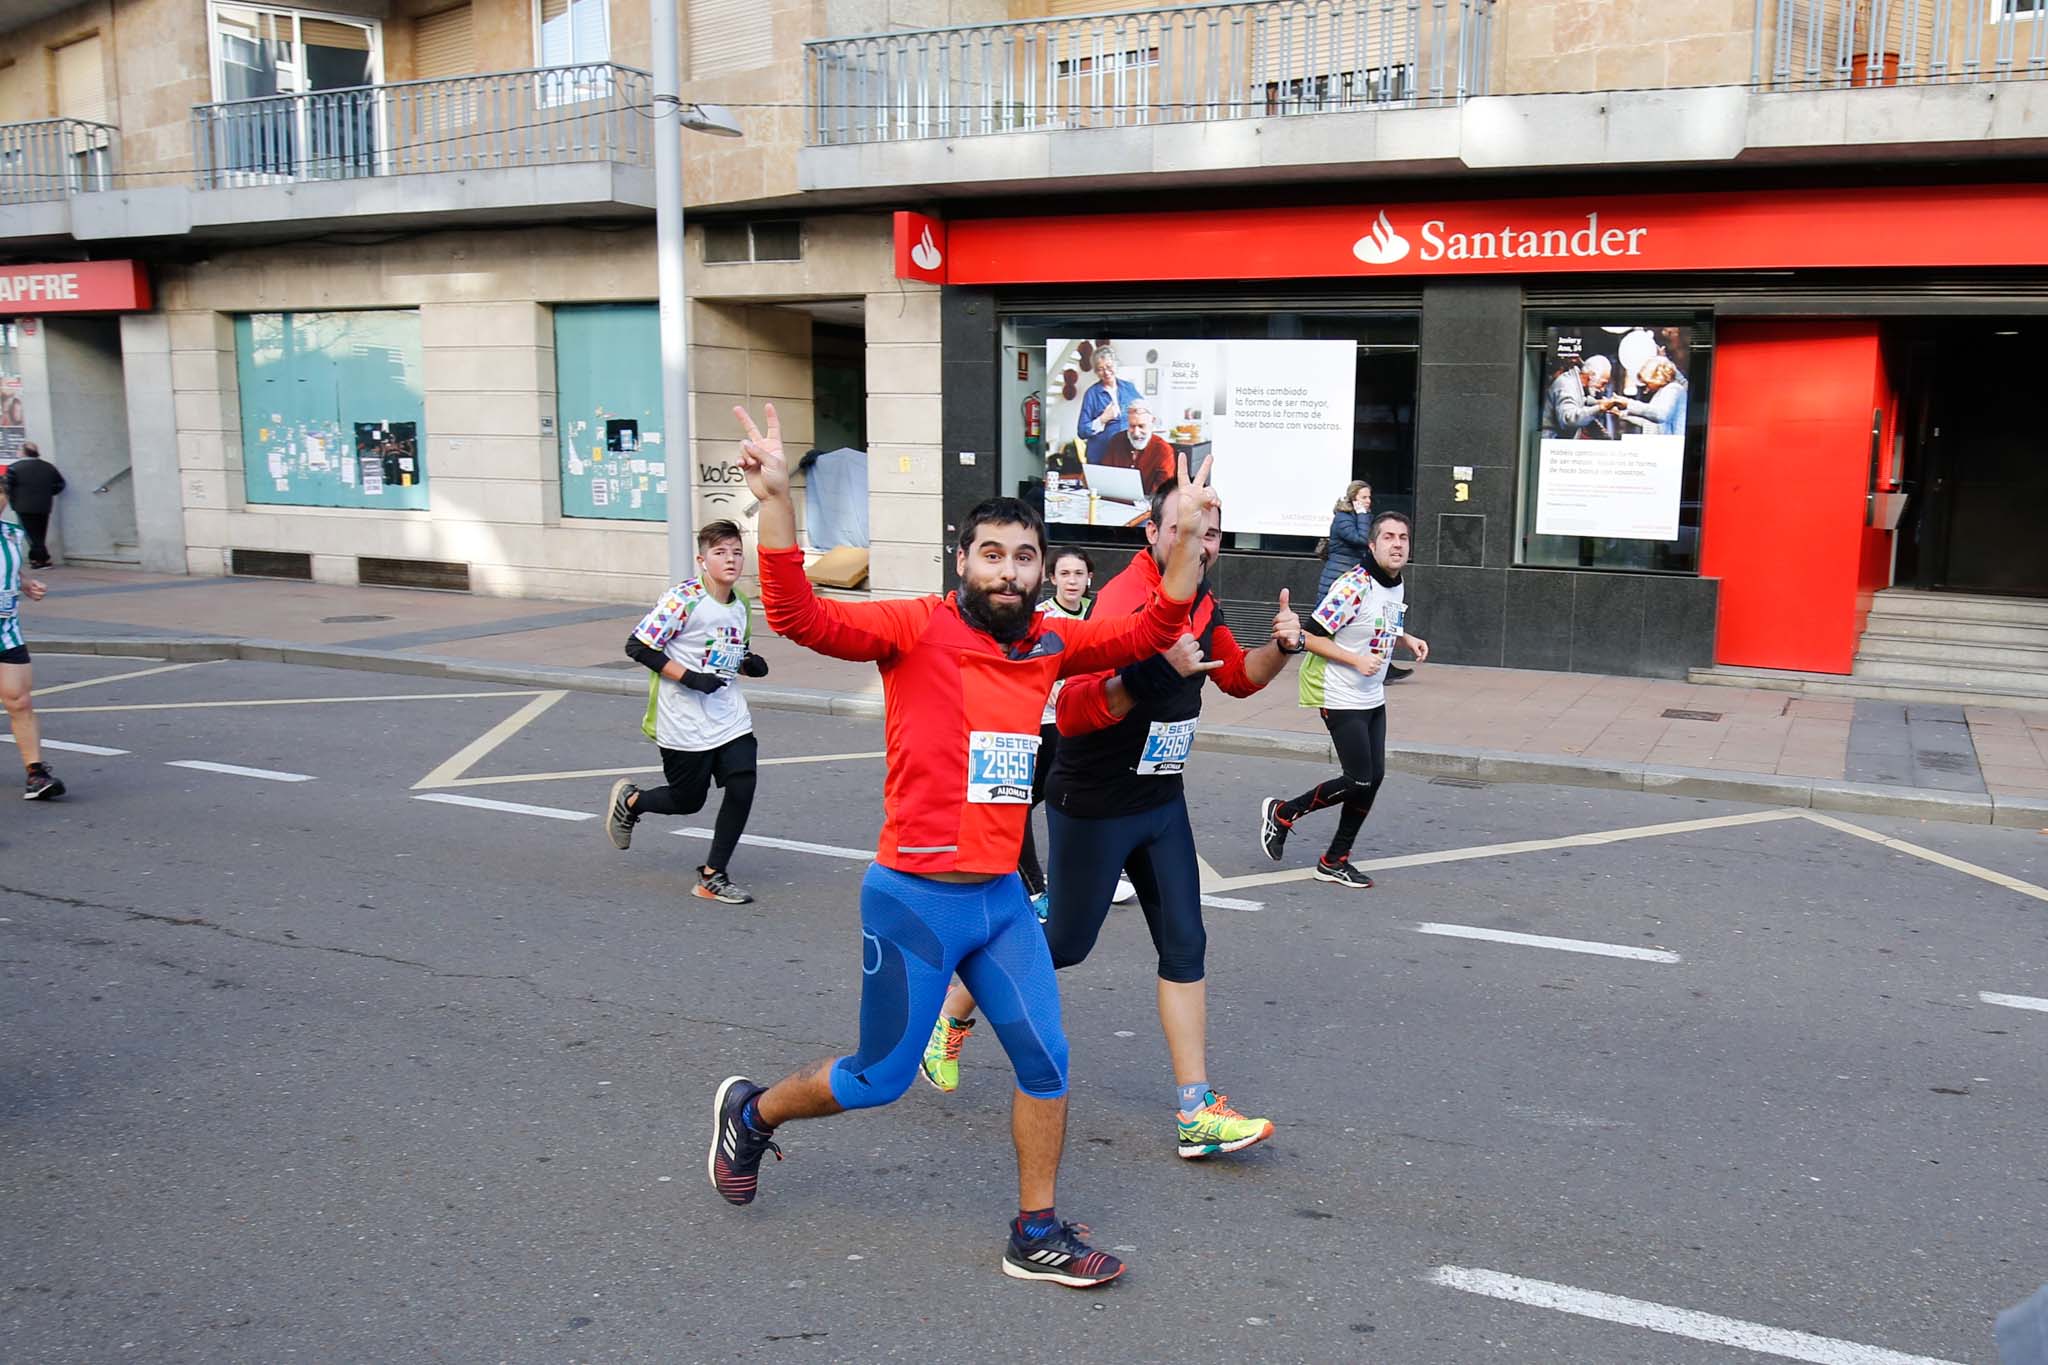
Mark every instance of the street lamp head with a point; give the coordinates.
(711, 118)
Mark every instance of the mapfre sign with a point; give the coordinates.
(73, 287)
(1944, 226)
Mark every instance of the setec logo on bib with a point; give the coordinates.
(999, 767)
(1167, 746)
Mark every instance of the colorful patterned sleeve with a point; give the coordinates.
(1340, 605)
(670, 614)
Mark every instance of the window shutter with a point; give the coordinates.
(444, 45)
(81, 81)
(574, 32)
(729, 35)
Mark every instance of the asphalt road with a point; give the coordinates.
(319, 1070)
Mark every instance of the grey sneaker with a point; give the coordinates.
(714, 885)
(618, 815)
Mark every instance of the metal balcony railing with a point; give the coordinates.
(1192, 64)
(55, 158)
(1821, 44)
(544, 116)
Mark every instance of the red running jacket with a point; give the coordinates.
(961, 709)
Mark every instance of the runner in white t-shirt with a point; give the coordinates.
(1352, 636)
(1070, 572)
(695, 643)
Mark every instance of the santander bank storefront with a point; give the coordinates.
(1636, 434)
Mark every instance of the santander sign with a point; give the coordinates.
(1384, 245)
(1833, 228)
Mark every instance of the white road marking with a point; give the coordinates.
(587, 773)
(234, 770)
(118, 677)
(1565, 945)
(2017, 1002)
(68, 747)
(509, 807)
(268, 701)
(1930, 855)
(1591, 839)
(858, 855)
(867, 855)
(1677, 1322)
(472, 753)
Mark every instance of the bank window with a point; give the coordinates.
(1291, 407)
(333, 409)
(608, 413)
(1614, 441)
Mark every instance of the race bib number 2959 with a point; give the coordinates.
(999, 767)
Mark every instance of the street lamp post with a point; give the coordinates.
(671, 116)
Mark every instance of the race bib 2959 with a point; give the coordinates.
(999, 767)
(10, 603)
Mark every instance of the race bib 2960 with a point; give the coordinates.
(1167, 746)
(999, 767)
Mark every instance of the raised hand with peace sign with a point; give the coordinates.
(767, 474)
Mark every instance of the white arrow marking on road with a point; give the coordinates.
(1677, 1322)
(867, 855)
(1563, 945)
(118, 677)
(510, 807)
(472, 753)
(69, 747)
(2017, 1002)
(232, 770)
(1938, 859)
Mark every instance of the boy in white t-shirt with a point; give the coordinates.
(1352, 636)
(695, 642)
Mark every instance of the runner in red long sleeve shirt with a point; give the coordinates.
(1116, 803)
(964, 681)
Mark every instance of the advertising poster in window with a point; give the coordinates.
(1611, 448)
(1275, 417)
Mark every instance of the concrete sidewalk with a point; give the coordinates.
(1972, 764)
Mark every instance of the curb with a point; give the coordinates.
(1482, 765)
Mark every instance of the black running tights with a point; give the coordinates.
(689, 777)
(1361, 741)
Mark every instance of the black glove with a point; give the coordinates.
(1151, 680)
(707, 683)
(753, 666)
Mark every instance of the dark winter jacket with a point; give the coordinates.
(33, 484)
(1349, 534)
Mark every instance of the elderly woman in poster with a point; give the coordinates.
(1105, 407)
(1661, 411)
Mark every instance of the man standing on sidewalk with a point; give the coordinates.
(695, 643)
(15, 677)
(32, 486)
(1352, 634)
(964, 678)
(1117, 805)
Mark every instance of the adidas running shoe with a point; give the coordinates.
(1216, 1127)
(1059, 1255)
(714, 885)
(941, 1063)
(1272, 829)
(1342, 873)
(618, 814)
(736, 1150)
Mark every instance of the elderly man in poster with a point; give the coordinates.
(1572, 407)
(1140, 447)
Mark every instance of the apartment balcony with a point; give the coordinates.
(43, 164)
(1206, 96)
(553, 144)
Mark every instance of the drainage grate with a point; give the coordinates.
(270, 564)
(412, 573)
(1676, 714)
(351, 620)
(1471, 784)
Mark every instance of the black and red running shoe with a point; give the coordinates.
(736, 1149)
(1058, 1254)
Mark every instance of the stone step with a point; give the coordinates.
(1960, 675)
(1981, 653)
(1956, 606)
(1838, 686)
(1935, 628)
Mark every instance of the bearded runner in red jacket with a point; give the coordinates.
(964, 681)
